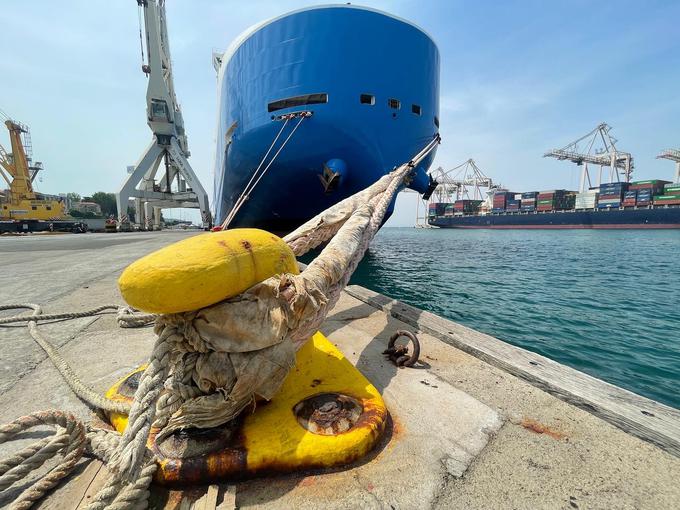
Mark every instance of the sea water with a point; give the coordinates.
(606, 302)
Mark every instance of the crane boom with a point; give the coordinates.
(454, 183)
(672, 155)
(22, 202)
(16, 164)
(179, 186)
(606, 156)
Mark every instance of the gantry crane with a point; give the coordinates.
(461, 182)
(587, 150)
(672, 155)
(16, 168)
(178, 186)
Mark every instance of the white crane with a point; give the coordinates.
(178, 186)
(461, 182)
(672, 155)
(587, 149)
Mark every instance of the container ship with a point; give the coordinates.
(316, 105)
(638, 204)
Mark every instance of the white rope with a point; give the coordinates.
(126, 318)
(69, 441)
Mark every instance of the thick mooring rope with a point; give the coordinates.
(126, 318)
(69, 441)
(302, 300)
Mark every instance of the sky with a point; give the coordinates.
(517, 79)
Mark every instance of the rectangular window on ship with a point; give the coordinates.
(367, 99)
(291, 102)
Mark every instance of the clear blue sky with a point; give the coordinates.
(517, 78)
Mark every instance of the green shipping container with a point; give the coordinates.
(667, 197)
(652, 181)
(672, 189)
(545, 202)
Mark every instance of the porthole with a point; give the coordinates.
(394, 103)
(415, 108)
(436, 121)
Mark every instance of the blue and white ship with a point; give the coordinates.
(316, 105)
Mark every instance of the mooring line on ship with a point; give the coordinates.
(245, 195)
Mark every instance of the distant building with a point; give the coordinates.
(87, 207)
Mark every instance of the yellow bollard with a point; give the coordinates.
(327, 414)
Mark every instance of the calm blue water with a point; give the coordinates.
(604, 302)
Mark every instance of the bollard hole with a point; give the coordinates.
(328, 414)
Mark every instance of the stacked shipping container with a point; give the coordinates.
(512, 205)
(437, 209)
(586, 200)
(528, 201)
(500, 200)
(466, 206)
(671, 194)
(553, 200)
(611, 194)
(629, 198)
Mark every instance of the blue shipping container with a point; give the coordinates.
(623, 186)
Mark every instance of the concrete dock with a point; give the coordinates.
(471, 425)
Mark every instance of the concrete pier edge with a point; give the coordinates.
(644, 418)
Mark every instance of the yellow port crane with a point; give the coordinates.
(21, 201)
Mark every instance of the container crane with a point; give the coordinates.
(17, 170)
(672, 155)
(179, 186)
(586, 150)
(461, 182)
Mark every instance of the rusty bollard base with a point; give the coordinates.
(326, 415)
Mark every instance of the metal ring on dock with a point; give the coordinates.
(410, 360)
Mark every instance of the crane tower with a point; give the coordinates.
(596, 148)
(19, 171)
(178, 186)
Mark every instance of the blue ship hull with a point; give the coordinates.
(371, 82)
(657, 217)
